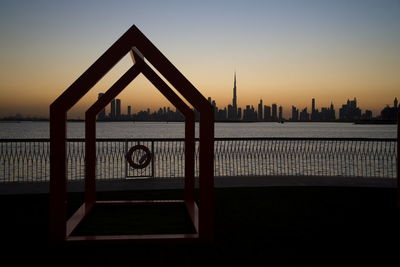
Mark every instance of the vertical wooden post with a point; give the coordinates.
(90, 160)
(58, 174)
(190, 147)
(206, 180)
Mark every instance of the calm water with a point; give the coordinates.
(29, 161)
(176, 130)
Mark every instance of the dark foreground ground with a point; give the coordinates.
(269, 226)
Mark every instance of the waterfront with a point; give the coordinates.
(241, 149)
(176, 130)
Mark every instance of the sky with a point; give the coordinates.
(284, 52)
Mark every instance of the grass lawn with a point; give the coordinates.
(266, 226)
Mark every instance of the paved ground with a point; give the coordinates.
(254, 226)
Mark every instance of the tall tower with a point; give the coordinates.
(260, 111)
(234, 100)
(118, 108)
(112, 112)
(274, 112)
(314, 115)
(312, 105)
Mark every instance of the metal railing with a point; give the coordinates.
(28, 159)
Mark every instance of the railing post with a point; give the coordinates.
(125, 160)
(152, 158)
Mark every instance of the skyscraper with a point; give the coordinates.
(304, 116)
(260, 111)
(112, 111)
(118, 108)
(314, 112)
(274, 112)
(312, 105)
(267, 113)
(234, 100)
(349, 111)
(295, 114)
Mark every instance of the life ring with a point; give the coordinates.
(144, 161)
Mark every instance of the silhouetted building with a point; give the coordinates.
(118, 108)
(390, 113)
(350, 111)
(215, 109)
(332, 112)
(222, 114)
(214, 105)
(274, 112)
(239, 117)
(367, 115)
(313, 110)
(267, 113)
(327, 114)
(246, 113)
(295, 114)
(260, 111)
(231, 114)
(249, 114)
(304, 116)
(112, 110)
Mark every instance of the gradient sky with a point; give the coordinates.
(285, 52)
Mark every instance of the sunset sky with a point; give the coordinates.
(285, 52)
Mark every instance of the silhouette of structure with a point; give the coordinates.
(295, 114)
(117, 108)
(350, 111)
(263, 113)
(260, 111)
(141, 48)
(274, 112)
(390, 113)
(314, 111)
(234, 100)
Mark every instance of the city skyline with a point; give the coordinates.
(285, 52)
(349, 111)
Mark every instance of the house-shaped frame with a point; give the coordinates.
(201, 213)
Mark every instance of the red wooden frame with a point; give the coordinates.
(141, 48)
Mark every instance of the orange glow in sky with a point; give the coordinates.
(284, 52)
